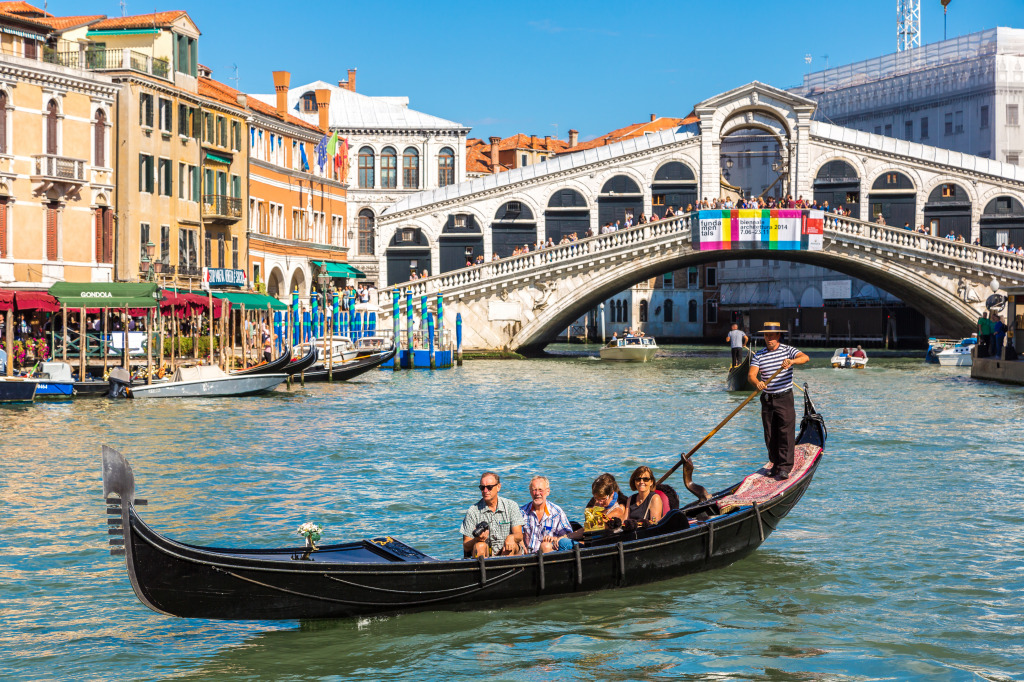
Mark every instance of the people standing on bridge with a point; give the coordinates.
(737, 342)
(777, 413)
(880, 220)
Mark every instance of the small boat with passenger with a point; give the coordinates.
(385, 575)
(630, 349)
(844, 358)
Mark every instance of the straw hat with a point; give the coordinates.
(772, 327)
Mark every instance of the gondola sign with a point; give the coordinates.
(777, 229)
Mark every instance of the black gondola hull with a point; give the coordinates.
(739, 376)
(275, 366)
(348, 370)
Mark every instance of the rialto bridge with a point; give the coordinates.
(521, 302)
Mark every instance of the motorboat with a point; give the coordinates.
(17, 390)
(935, 346)
(207, 381)
(630, 349)
(53, 380)
(842, 359)
(959, 355)
(369, 345)
(384, 575)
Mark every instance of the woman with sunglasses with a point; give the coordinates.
(646, 504)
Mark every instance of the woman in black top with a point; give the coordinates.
(645, 505)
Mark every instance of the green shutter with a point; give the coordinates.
(236, 187)
(195, 183)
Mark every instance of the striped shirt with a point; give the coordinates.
(769, 361)
(501, 520)
(555, 522)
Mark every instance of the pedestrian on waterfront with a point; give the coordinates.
(984, 335)
(545, 524)
(494, 525)
(268, 349)
(737, 341)
(777, 413)
(998, 334)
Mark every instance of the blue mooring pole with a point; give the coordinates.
(314, 310)
(296, 315)
(409, 312)
(440, 323)
(458, 338)
(397, 321)
(430, 327)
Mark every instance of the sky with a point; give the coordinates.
(542, 68)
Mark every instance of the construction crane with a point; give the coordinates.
(908, 24)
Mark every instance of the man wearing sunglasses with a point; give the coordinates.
(494, 525)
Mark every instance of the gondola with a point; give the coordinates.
(385, 575)
(275, 366)
(738, 379)
(303, 363)
(348, 370)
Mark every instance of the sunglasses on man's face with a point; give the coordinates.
(488, 487)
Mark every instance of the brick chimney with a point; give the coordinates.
(654, 117)
(323, 107)
(349, 84)
(547, 142)
(281, 81)
(574, 136)
(495, 141)
(533, 141)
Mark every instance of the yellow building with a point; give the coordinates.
(56, 171)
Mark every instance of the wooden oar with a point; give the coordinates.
(699, 491)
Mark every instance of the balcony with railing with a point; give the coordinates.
(221, 208)
(58, 169)
(109, 59)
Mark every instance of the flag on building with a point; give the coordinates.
(321, 153)
(341, 156)
(302, 155)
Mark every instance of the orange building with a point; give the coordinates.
(297, 209)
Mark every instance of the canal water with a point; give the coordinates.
(903, 561)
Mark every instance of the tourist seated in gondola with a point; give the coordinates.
(608, 497)
(545, 524)
(494, 525)
(647, 505)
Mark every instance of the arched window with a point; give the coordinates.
(410, 168)
(388, 168)
(51, 127)
(668, 310)
(366, 168)
(692, 311)
(309, 103)
(366, 232)
(446, 167)
(3, 122)
(643, 311)
(100, 140)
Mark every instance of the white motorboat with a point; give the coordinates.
(630, 349)
(960, 355)
(842, 359)
(207, 381)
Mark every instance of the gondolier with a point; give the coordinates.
(777, 413)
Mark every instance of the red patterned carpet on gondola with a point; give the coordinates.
(760, 486)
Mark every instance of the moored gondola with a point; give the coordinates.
(303, 363)
(275, 366)
(343, 371)
(385, 575)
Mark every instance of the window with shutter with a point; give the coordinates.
(100, 140)
(3, 228)
(51, 127)
(51, 232)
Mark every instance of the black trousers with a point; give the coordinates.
(737, 356)
(779, 419)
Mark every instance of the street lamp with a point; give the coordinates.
(146, 265)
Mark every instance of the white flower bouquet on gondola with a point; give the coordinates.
(312, 532)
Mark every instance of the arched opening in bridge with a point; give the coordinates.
(275, 283)
(298, 283)
(620, 199)
(567, 213)
(753, 163)
(893, 197)
(837, 184)
(1002, 222)
(514, 225)
(948, 210)
(408, 252)
(461, 242)
(674, 186)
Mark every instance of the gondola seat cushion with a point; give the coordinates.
(760, 486)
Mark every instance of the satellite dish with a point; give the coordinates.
(995, 302)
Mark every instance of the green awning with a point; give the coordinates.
(250, 301)
(335, 269)
(217, 158)
(106, 294)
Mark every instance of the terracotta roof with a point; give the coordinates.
(532, 142)
(478, 159)
(23, 9)
(226, 94)
(157, 20)
(32, 23)
(634, 130)
(64, 23)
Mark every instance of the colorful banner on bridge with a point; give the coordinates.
(777, 229)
